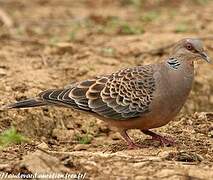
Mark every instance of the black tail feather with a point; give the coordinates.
(25, 104)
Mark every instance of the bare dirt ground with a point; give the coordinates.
(51, 43)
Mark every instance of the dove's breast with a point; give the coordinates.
(172, 88)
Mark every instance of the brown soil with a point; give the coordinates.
(51, 43)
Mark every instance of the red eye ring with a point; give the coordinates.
(188, 46)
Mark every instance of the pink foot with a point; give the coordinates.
(130, 143)
(164, 141)
(135, 146)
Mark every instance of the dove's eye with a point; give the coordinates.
(189, 46)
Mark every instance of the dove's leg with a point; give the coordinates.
(163, 140)
(130, 143)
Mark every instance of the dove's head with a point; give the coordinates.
(191, 49)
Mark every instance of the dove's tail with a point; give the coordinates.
(26, 104)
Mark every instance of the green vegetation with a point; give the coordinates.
(119, 26)
(72, 35)
(132, 2)
(89, 132)
(128, 29)
(11, 136)
(75, 28)
(108, 52)
(84, 139)
(53, 40)
(150, 16)
(201, 2)
(109, 25)
(182, 27)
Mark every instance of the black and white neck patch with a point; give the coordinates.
(173, 63)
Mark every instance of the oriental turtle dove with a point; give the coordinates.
(141, 97)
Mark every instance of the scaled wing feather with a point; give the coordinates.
(122, 95)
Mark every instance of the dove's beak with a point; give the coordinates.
(205, 57)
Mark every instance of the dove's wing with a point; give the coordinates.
(122, 95)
